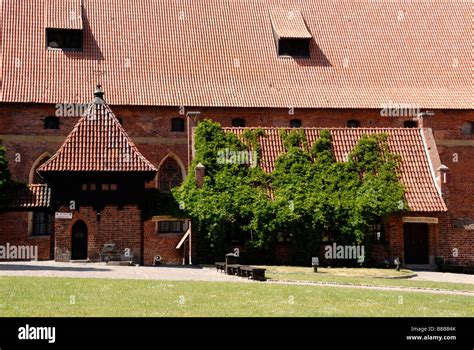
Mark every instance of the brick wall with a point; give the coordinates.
(22, 131)
(120, 226)
(163, 244)
(14, 230)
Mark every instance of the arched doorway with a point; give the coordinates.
(79, 241)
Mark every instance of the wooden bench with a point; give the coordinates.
(233, 269)
(220, 266)
(255, 273)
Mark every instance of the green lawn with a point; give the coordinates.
(358, 276)
(40, 296)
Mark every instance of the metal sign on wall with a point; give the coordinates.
(466, 224)
(420, 219)
(59, 215)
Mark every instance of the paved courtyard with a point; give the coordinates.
(172, 273)
(101, 270)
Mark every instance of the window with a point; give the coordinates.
(468, 128)
(177, 124)
(42, 223)
(378, 232)
(238, 123)
(66, 39)
(353, 123)
(89, 187)
(293, 47)
(170, 226)
(105, 187)
(51, 122)
(295, 123)
(410, 124)
(169, 175)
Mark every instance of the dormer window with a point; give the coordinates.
(64, 25)
(292, 38)
(65, 39)
(293, 47)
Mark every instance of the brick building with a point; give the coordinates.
(361, 67)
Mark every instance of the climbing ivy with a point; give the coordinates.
(307, 195)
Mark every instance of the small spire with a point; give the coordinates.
(98, 93)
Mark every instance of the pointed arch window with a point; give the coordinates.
(41, 221)
(169, 175)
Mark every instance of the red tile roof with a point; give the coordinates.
(289, 23)
(35, 196)
(222, 53)
(98, 143)
(415, 171)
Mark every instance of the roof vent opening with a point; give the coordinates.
(292, 38)
(64, 25)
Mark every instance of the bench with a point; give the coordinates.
(452, 266)
(220, 266)
(255, 273)
(233, 269)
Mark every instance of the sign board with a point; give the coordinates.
(420, 219)
(315, 261)
(59, 215)
(466, 224)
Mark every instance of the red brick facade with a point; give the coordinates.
(23, 134)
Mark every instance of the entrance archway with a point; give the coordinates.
(79, 241)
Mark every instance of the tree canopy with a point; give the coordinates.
(308, 195)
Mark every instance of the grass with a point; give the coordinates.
(358, 276)
(47, 296)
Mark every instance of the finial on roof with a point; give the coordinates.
(98, 93)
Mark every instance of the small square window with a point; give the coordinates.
(105, 187)
(84, 187)
(295, 123)
(410, 124)
(467, 128)
(353, 123)
(177, 124)
(66, 39)
(92, 187)
(113, 187)
(51, 122)
(238, 123)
